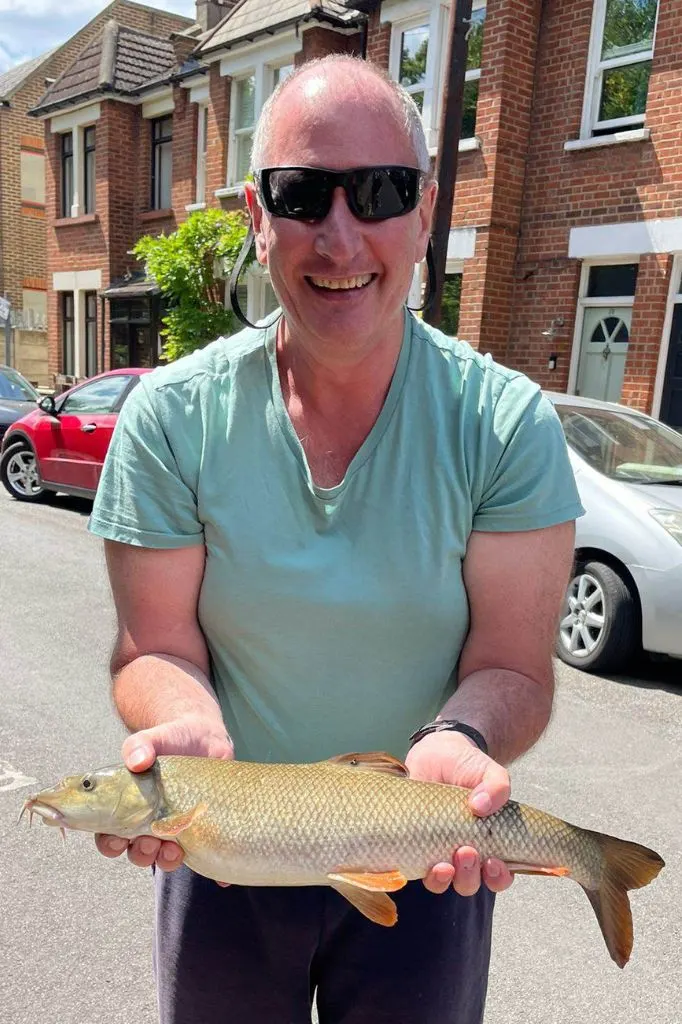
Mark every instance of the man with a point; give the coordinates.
(319, 536)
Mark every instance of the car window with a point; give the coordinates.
(623, 446)
(101, 396)
(14, 387)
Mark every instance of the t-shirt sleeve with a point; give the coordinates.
(529, 482)
(142, 498)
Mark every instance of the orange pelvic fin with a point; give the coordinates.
(375, 761)
(174, 824)
(377, 906)
(537, 869)
(385, 881)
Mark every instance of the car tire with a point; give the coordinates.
(24, 486)
(600, 628)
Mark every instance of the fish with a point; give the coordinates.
(356, 822)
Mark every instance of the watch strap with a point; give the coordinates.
(450, 725)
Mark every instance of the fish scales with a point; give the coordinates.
(312, 819)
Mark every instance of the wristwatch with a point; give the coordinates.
(450, 725)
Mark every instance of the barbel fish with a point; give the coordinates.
(357, 823)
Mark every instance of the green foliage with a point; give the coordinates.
(452, 293)
(629, 26)
(183, 265)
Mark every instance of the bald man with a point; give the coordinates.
(323, 534)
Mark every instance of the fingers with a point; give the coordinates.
(493, 790)
(142, 852)
(466, 873)
(440, 877)
(138, 751)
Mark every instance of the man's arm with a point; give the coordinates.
(160, 666)
(515, 584)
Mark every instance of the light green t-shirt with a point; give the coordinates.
(334, 617)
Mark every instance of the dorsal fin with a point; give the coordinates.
(373, 761)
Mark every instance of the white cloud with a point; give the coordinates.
(30, 27)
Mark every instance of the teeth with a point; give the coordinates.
(342, 282)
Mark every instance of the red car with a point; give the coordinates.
(61, 445)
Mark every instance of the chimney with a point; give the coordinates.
(183, 46)
(210, 12)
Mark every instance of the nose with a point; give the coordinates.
(339, 236)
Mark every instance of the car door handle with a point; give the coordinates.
(88, 428)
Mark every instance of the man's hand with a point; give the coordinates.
(191, 735)
(453, 758)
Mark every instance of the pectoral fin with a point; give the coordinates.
(374, 761)
(377, 906)
(174, 824)
(371, 881)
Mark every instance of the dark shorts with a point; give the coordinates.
(256, 956)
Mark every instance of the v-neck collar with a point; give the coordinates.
(329, 494)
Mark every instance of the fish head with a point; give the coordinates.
(112, 800)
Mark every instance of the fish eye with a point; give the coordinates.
(88, 783)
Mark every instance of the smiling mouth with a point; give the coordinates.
(337, 284)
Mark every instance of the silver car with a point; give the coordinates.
(626, 591)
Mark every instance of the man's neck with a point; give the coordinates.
(323, 382)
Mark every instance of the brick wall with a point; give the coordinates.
(625, 183)
(319, 42)
(218, 129)
(23, 236)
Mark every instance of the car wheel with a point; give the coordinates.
(19, 474)
(600, 627)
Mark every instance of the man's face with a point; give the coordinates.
(341, 281)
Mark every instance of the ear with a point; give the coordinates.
(258, 221)
(425, 211)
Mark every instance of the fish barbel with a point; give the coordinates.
(357, 823)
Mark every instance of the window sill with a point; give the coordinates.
(157, 214)
(616, 139)
(230, 191)
(68, 222)
(465, 146)
(193, 207)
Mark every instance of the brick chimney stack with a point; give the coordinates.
(210, 12)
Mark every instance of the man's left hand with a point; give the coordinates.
(453, 758)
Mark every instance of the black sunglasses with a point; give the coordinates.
(373, 193)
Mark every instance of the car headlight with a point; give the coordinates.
(670, 520)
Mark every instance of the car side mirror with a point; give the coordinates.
(47, 405)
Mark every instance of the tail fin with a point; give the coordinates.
(625, 866)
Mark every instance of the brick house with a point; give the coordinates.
(565, 254)
(23, 230)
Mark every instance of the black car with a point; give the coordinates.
(17, 397)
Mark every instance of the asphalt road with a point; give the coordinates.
(75, 929)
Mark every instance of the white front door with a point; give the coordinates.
(603, 351)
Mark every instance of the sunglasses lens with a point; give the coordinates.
(379, 193)
(298, 192)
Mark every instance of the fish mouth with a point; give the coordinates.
(50, 815)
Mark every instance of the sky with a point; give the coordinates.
(30, 27)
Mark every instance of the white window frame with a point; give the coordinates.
(588, 302)
(260, 62)
(595, 70)
(202, 144)
(407, 14)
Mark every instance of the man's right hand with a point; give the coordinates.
(191, 735)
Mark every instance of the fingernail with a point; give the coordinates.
(172, 853)
(137, 757)
(468, 861)
(492, 869)
(481, 803)
(117, 845)
(147, 845)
